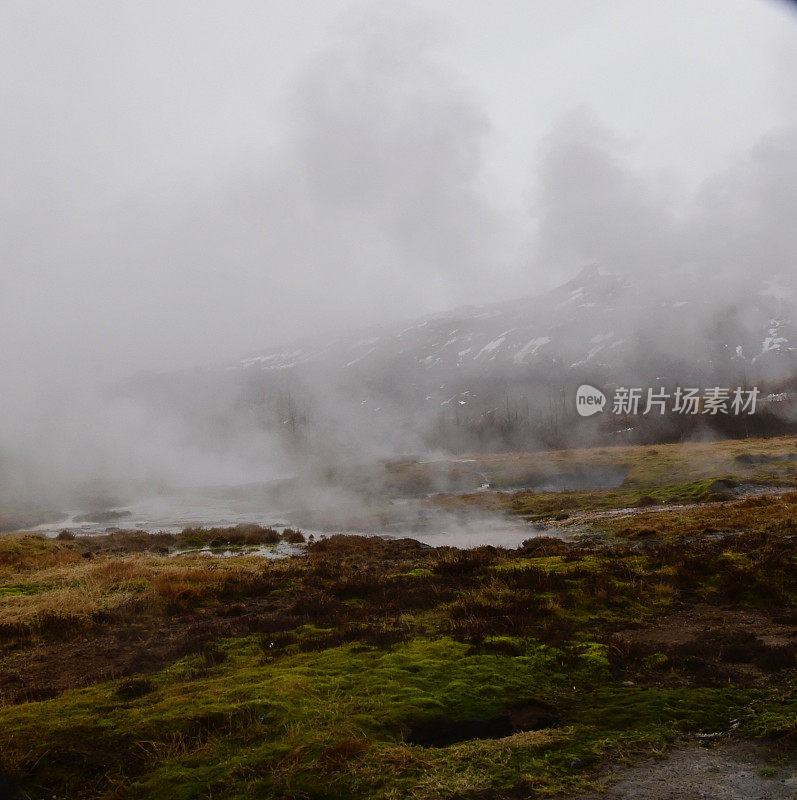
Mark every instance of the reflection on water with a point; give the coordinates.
(279, 550)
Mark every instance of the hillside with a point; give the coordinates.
(504, 376)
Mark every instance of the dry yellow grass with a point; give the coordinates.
(20, 553)
(58, 582)
(667, 463)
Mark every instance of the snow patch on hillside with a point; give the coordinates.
(490, 347)
(531, 348)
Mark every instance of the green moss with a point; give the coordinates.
(338, 718)
(21, 588)
(772, 719)
(542, 506)
(419, 572)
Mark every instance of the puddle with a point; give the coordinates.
(756, 459)
(278, 550)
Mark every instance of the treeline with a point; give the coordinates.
(493, 416)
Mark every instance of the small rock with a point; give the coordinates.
(574, 763)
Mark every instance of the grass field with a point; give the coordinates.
(368, 668)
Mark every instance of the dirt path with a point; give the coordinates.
(730, 771)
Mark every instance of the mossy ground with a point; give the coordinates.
(132, 674)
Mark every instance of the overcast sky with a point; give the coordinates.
(186, 182)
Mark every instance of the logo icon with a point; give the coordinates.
(589, 400)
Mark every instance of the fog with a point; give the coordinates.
(186, 184)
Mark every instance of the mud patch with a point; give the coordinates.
(443, 731)
(732, 771)
(713, 644)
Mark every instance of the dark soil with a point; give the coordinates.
(442, 731)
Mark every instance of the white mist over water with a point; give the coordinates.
(173, 513)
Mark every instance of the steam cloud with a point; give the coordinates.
(371, 207)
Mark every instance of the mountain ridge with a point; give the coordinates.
(505, 375)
